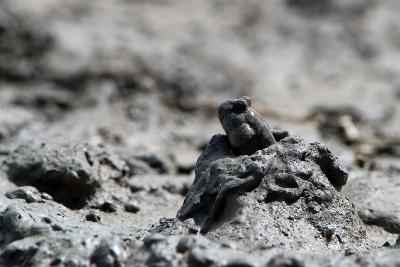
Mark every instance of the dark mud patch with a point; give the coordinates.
(24, 42)
(71, 174)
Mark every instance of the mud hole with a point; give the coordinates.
(112, 152)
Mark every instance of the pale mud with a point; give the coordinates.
(106, 106)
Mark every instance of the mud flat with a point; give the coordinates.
(115, 149)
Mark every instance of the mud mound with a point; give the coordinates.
(287, 195)
(71, 174)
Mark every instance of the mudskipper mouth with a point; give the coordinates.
(240, 135)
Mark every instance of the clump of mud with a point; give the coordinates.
(286, 195)
(71, 174)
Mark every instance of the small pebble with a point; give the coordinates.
(132, 207)
(108, 207)
(46, 219)
(93, 217)
(28, 193)
(153, 239)
(349, 252)
(57, 227)
(194, 230)
(136, 188)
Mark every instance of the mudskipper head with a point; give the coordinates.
(234, 116)
(232, 108)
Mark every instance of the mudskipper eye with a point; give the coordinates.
(239, 107)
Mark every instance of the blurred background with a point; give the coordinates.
(146, 77)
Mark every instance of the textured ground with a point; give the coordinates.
(105, 107)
